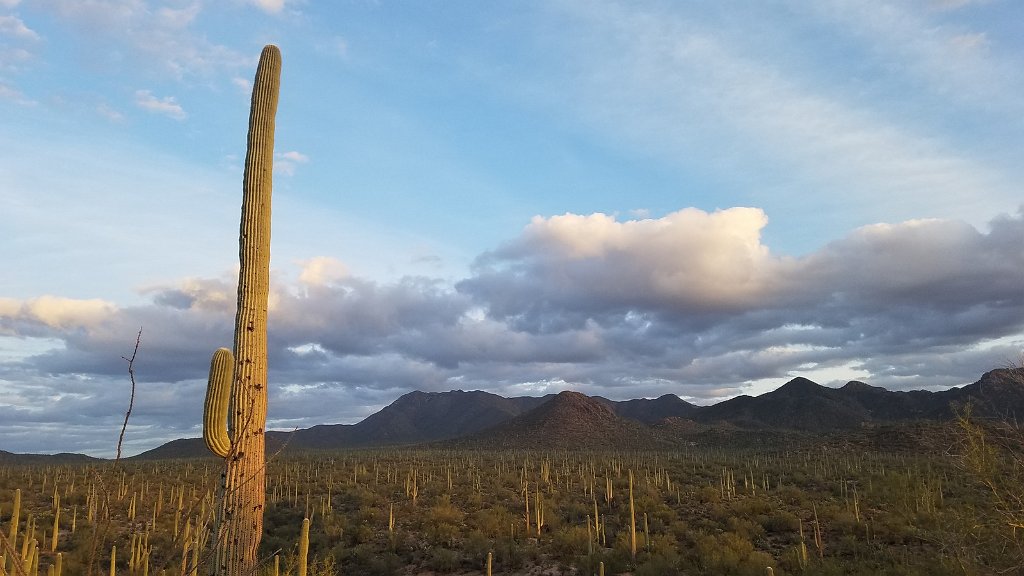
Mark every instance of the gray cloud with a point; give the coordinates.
(692, 303)
(708, 275)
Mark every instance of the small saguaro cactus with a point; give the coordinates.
(303, 547)
(632, 520)
(235, 411)
(15, 518)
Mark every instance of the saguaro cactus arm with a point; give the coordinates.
(218, 399)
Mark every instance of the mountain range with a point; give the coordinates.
(62, 458)
(573, 420)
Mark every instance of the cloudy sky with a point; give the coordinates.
(621, 198)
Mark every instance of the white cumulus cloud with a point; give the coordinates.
(322, 270)
(167, 105)
(269, 6)
(14, 27)
(56, 312)
(287, 162)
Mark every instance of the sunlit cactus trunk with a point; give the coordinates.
(241, 523)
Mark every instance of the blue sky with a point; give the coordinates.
(622, 198)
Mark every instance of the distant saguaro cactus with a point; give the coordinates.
(235, 412)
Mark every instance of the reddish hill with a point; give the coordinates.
(570, 420)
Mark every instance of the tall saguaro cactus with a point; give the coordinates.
(235, 412)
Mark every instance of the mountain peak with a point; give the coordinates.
(576, 405)
(999, 393)
(798, 385)
(1003, 378)
(858, 386)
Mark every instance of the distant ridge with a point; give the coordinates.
(414, 418)
(181, 448)
(576, 420)
(419, 417)
(61, 458)
(196, 448)
(653, 411)
(803, 405)
(799, 404)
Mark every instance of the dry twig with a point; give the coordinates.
(131, 399)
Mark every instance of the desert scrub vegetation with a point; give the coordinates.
(814, 509)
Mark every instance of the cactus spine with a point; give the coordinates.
(241, 443)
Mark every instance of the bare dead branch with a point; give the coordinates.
(131, 399)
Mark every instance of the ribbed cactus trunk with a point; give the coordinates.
(241, 525)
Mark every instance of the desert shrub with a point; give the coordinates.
(845, 523)
(569, 542)
(730, 554)
(709, 494)
(281, 527)
(616, 560)
(781, 522)
(750, 506)
(745, 528)
(509, 555)
(443, 522)
(385, 564)
(362, 559)
(476, 546)
(443, 560)
(659, 565)
(494, 521)
(792, 496)
(679, 529)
